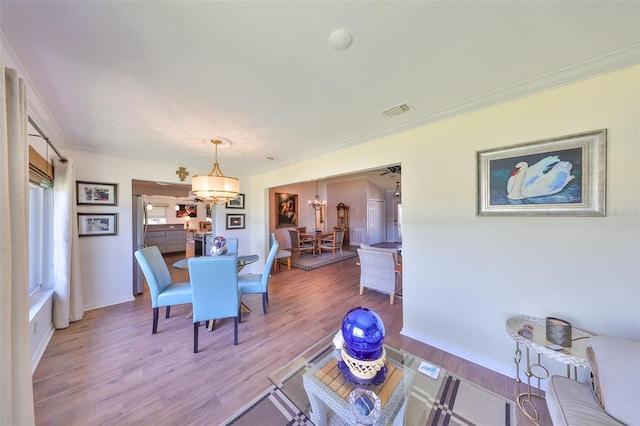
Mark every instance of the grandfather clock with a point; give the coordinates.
(343, 221)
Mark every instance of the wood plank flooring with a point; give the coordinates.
(108, 369)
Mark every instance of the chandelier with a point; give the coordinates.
(215, 188)
(316, 203)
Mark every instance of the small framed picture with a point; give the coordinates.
(187, 210)
(95, 193)
(235, 221)
(90, 224)
(238, 203)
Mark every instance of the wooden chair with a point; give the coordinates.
(333, 242)
(300, 244)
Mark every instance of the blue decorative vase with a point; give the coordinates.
(363, 333)
(219, 246)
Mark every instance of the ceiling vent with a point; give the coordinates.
(396, 110)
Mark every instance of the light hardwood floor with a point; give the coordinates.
(108, 369)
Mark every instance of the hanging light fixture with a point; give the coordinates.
(397, 192)
(216, 188)
(316, 203)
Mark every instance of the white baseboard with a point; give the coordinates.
(42, 346)
(505, 370)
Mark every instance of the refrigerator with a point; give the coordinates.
(139, 228)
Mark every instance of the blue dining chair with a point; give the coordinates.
(215, 290)
(232, 245)
(259, 283)
(280, 254)
(163, 291)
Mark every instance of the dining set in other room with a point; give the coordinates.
(316, 242)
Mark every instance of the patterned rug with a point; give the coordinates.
(458, 403)
(271, 408)
(309, 262)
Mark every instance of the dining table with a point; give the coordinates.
(316, 237)
(241, 262)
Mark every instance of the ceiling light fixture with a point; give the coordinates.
(397, 192)
(316, 203)
(215, 188)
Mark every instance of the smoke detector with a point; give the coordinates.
(341, 39)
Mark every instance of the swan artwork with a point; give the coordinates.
(546, 177)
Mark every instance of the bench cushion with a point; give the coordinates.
(572, 403)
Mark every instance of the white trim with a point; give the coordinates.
(108, 303)
(508, 371)
(37, 109)
(603, 64)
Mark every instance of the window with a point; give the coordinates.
(157, 215)
(40, 236)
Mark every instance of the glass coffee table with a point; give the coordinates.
(314, 383)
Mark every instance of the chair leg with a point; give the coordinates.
(240, 313)
(235, 331)
(361, 290)
(391, 297)
(289, 263)
(154, 329)
(167, 312)
(264, 303)
(195, 337)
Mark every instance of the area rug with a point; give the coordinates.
(309, 262)
(271, 408)
(458, 403)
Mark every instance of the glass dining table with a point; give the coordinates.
(241, 262)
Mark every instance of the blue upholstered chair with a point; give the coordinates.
(280, 254)
(259, 283)
(232, 245)
(216, 294)
(163, 291)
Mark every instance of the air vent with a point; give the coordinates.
(396, 110)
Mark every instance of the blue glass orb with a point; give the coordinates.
(363, 333)
(219, 246)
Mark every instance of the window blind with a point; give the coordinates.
(40, 170)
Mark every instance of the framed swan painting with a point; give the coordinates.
(563, 176)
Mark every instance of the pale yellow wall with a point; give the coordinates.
(464, 275)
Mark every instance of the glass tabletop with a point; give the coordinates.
(241, 261)
(408, 392)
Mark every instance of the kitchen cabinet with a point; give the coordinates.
(167, 241)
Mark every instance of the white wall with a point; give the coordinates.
(465, 275)
(107, 261)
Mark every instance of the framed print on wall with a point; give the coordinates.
(95, 193)
(286, 210)
(238, 203)
(563, 176)
(90, 224)
(235, 221)
(187, 210)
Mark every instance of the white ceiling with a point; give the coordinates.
(153, 79)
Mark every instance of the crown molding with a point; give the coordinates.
(35, 105)
(609, 62)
